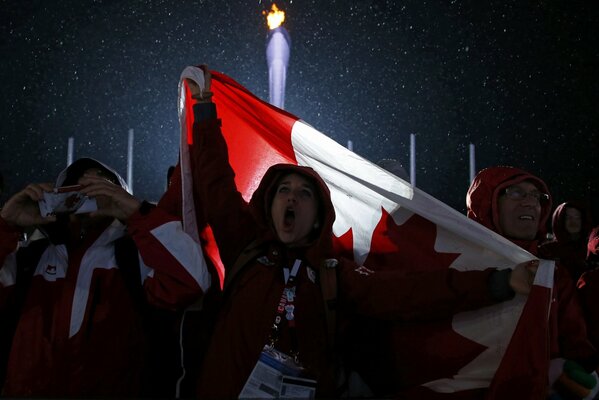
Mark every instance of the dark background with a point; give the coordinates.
(519, 79)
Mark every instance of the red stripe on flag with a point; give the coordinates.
(525, 364)
(258, 134)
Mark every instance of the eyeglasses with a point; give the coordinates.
(515, 193)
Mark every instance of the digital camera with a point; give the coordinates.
(66, 200)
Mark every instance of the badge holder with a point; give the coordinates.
(276, 374)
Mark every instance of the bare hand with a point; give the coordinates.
(202, 96)
(112, 199)
(523, 276)
(23, 210)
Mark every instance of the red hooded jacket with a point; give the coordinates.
(567, 325)
(79, 305)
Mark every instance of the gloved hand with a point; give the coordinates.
(570, 381)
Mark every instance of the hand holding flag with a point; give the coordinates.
(523, 276)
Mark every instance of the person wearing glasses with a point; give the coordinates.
(516, 204)
(511, 202)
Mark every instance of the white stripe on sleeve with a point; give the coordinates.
(185, 250)
(8, 272)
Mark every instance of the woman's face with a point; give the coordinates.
(573, 221)
(294, 209)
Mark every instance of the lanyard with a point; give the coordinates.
(286, 308)
(290, 277)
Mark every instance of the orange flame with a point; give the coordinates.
(274, 17)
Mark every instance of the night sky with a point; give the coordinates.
(518, 79)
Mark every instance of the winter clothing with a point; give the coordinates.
(568, 335)
(482, 204)
(253, 289)
(588, 286)
(571, 253)
(79, 323)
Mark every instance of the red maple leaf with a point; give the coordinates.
(343, 245)
(410, 245)
(406, 354)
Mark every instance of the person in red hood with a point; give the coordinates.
(278, 255)
(77, 298)
(588, 287)
(511, 202)
(571, 224)
(517, 204)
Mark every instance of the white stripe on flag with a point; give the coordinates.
(359, 189)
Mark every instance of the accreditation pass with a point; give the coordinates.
(276, 375)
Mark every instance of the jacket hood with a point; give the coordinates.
(61, 229)
(558, 221)
(260, 207)
(71, 174)
(481, 199)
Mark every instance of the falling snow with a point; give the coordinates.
(517, 79)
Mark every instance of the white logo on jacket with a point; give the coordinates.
(54, 262)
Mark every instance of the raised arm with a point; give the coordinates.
(215, 192)
(172, 265)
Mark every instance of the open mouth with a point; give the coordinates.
(289, 218)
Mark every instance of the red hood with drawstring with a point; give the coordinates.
(484, 192)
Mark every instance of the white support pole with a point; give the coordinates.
(413, 159)
(70, 150)
(130, 160)
(472, 162)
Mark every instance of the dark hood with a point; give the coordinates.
(260, 204)
(59, 231)
(71, 174)
(558, 222)
(481, 200)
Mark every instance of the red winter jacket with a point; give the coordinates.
(79, 331)
(567, 325)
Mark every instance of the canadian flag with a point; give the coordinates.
(384, 222)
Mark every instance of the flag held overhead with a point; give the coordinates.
(383, 222)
